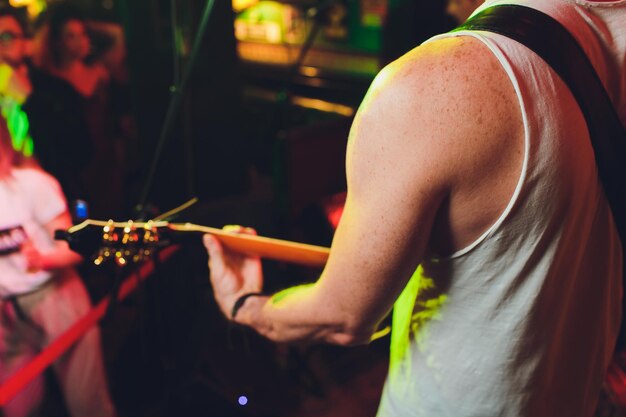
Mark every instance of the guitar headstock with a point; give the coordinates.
(121, 242)
(129, 242)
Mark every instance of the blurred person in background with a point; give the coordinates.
(51, 114)
(64, 52)
(41, 295)
(65, 49)
(12, 52)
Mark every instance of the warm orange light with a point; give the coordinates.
(34, 7)
(323, 105)
(240, 5)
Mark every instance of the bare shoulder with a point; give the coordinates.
(448, 104)
(448, 69)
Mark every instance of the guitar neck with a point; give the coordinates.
(264, 247)
(90, 235)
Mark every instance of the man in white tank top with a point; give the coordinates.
(470, 157)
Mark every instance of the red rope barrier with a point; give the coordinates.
(60, 345)
(615, 382)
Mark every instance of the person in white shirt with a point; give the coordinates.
(41, 295)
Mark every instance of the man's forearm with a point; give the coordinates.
(298, 315)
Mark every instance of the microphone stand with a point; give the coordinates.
(177, 90)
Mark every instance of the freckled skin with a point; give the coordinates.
(433, 158)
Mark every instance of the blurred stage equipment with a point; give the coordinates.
(346, 43)
(274, 33)
(159, 33)
(177, 90)
(316, 55)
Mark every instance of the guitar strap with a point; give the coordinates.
(558, 48)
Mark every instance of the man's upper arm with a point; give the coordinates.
(412, 140)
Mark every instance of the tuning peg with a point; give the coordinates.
(150, 234)
(109, 226)
(129, 233)
(108, 232)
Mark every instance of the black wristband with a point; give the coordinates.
(241, 300)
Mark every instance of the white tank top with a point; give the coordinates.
(523, 322)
